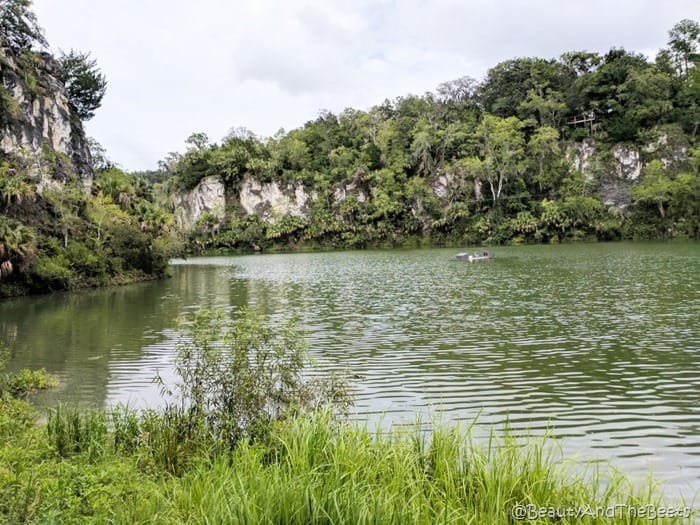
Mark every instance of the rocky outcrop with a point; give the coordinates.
(342, 192)
(628, 164)
(611, 170)
(209, 196)
(442, 185)
(37, 122)
(580, 155)
(272, 200)
(618, 168)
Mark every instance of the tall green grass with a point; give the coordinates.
(123, 466)
(314, 471)
(72, 430)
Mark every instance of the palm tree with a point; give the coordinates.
(14, 187)
(17, 245)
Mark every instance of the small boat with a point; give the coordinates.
(471, 257)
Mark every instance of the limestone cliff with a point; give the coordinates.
(616, 169)
(37, 123)
(272, 201)
(613, 170)
(206, 197)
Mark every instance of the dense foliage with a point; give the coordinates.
(481, 161)
(67, 237)
(59, 230)
(239, 374)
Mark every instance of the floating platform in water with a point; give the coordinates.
(472, 257)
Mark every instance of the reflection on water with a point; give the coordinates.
(602, 342)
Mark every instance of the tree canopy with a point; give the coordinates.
(85, 83)
(479, 161)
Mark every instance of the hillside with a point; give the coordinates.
(586, 146)
(61, 226)
(583, 147)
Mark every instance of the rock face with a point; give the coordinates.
(272, 201)
(620, 167)
(209, 196)
(628, 165)
(342, 192)
(37, 120)
(580, 154)
(612, 170)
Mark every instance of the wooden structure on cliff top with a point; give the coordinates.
(588, 119)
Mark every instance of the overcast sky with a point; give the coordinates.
(176, 66)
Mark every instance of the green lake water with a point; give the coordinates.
(600, 342)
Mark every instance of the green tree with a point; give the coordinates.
(601, 93)
(502, 145)
(98, 155)
(511, 83)
(17, 245)
(684, 41)
(66, 203)
(422, 150)
(547, 105)
(655, 187)
(646, 98)
(85, 83)
(14, 187)
(685, 199)
(545, 152)
(103, 213)
(240, 374)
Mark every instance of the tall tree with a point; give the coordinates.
(85, 83)
(502, 152)
(684, 41)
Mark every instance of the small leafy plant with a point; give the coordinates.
(239, 374)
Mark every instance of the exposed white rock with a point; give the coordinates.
(580, 155)
(670, 151)
(628, 165)
(442, 184)
(271, 201)
(478, 194)
(45, 119)
(342, 192)
(206, 197)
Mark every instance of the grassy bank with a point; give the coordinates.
(122, 467)
(244, 438)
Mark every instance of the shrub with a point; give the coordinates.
(25, 381)
(239, 374)
(53, 271)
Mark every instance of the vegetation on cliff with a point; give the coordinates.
(532, 153)
(59, 229)
(65, 237)
(489, 161)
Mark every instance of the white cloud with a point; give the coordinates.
(175, 67)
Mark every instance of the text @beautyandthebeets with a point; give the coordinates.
(650, 512)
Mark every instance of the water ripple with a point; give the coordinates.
(599, 342)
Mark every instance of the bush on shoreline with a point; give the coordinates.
(309, 469)
(276, 452)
